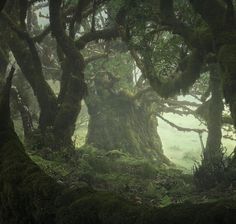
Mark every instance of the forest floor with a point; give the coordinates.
(136, 179)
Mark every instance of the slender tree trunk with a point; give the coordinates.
(211, 171)
(214, 121)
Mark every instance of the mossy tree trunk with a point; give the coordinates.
(74, 84)
(221, 22)
(211, 171)
(25, 52)
(227, 59)
(119, 121)
(32, 71)
(57, 114)
(213, 151)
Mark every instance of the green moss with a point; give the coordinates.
(122, 173)
(53, 168)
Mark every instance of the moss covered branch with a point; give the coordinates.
(76, 87)
(180, 83)
(106, 34)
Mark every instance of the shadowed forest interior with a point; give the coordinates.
(117, 111)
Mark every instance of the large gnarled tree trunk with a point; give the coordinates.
(118, 121)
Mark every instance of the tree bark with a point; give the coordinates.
(117, 121)
(34, 75)
(221, 21)
(70, 106)
(3, 62)
(214, 120)
(24, 112)
(25, 52)
(211, 171)
(227, 59)
(57, 119)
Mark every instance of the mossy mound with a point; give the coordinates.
(136, 179)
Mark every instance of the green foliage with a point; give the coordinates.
(166, 54)
(164, 49)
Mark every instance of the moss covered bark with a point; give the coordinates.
(43, 92)
(26, 55)
(117, 121)
(220, 16)
(214, 120)
(211, 171)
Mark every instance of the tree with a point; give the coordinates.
(120, 117)
(212, 168)
(57, 115)
(207, 28)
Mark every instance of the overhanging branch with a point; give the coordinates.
(179, 128)
(180, 83)
(106, 34)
